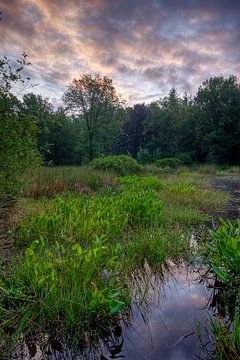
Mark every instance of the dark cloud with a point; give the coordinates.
(146, 46)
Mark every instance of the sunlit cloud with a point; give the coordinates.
(145, 46)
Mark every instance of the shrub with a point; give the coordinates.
(120, 164)
(185, 158)
(168, 162)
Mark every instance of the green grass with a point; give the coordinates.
(77, 249)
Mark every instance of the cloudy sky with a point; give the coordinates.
(145, 46)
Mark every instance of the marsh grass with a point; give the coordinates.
(78, 250)
(52, 181)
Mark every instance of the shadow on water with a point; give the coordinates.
(170, 310)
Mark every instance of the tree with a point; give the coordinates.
(17, 131)
(40, 110)
(93, 99)
(133, 137)
(218, 102)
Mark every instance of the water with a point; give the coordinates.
(231, 210)
(165, 328)
(162, 327)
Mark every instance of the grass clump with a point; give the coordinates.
(65, 285)
(52, 181)
(119, 164)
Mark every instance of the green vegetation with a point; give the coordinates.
(17, 132)
(52, 181)
(77, 250)
(224, 260)
(120, 164)
(77, 233)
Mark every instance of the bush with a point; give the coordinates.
(185, 158)
(121, 164)
(168, 162)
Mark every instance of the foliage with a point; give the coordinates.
(93, 99)
(69, 286)
(121, 164)
(77, 251)
(168, 162)
(218, 126)
(86, 217)
(17, 133)
(143, 183)
(224, 256)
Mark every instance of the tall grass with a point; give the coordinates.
(52, 181)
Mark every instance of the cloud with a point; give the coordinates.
(145, 46)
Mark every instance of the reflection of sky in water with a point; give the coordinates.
(172, 315)
(162, 328)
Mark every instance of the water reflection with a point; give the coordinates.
(159, 325)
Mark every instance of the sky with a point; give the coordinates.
(145, 46)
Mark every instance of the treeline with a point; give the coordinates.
(95, 121)
(204, 127)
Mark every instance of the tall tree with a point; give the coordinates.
(93, 99)
(133, 136)
(218, 101)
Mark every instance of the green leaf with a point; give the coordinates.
(115, 306)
